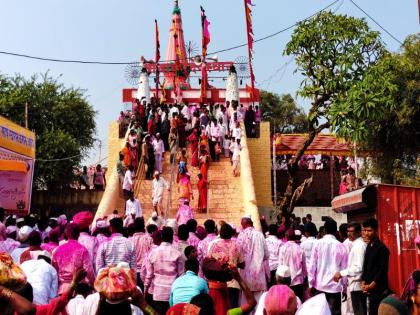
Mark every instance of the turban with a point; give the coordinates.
(83, 219)
(280, 300)
(11, 275)
(184, 309)
(315, 305)
(23, 233)
(391, 305)
(116, 283)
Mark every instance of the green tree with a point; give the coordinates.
(283, 113)
(393, 140)
(332, 52)
(61, 118)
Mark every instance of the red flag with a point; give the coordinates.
(157, 54)
(206, 33)
(250, 36)
(157, 58)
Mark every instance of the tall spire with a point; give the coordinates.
(175, 52)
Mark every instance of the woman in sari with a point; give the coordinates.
(202, 186)
(193, 139)
(204, 162)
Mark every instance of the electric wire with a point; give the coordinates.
(166, 61)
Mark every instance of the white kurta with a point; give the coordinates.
(143, 89)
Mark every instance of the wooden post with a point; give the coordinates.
(332, 176)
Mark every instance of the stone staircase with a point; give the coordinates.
(224, 196)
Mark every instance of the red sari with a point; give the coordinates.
(204, 164)
(202, 195)
(193, 139)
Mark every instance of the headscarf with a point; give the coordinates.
(280, 300)
(11, 275)
(183, 309)
(315, 305)
(83, 219)
(392, 305)
(115, 283)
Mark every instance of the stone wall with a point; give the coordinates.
(260, 158)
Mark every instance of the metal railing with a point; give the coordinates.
(173, 168)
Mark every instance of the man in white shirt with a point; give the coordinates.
(354, 270)
(308, 243)
(292, 255)
(158, 186)
(42, 277)
(328, 256)
(159, 149)
(132, 210)
(128, 182)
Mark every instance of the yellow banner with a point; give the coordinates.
(16, 138)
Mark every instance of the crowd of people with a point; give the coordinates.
(78, 266)
(154, 129)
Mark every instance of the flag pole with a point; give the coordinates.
(157, 58)
(250, 37)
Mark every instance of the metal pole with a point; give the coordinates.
(274, 169)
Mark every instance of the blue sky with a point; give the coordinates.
(123, 30)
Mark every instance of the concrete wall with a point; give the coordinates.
(68, 201)
(260, 157)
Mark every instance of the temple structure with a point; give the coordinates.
(177, 68)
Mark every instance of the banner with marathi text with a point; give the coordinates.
(17, 158)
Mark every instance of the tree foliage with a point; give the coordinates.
(333, 53)
(61, 118)
(393, 139)
(283, 113)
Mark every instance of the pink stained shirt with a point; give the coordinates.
(8, 245)
(91, 244)
(164, 266)
(143, 270)
(67, 259)
(193, 240)
(252, 245)
(117, 249)
(49, 247)
(273, 246)
(202, 249)
(328, 256)
(142, 242)
(101, 239)
(225, 250)
(184, 213)
(292, 255)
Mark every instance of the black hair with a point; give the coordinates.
(167, 234)
(356, 225)
(210, 226)
(192, 265)
(372, 222)
(34, 239)
(139, 224)
(205, 303)
(188, 250)
(117, 225)
(151, 228)
(192, 225)
(226, 232)
(330, 227)
(310, 228)
(272, 229)
(183, 232)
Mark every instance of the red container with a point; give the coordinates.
(397, 209)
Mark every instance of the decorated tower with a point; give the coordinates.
(232, 89)
(143, 90)
(176, 54)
